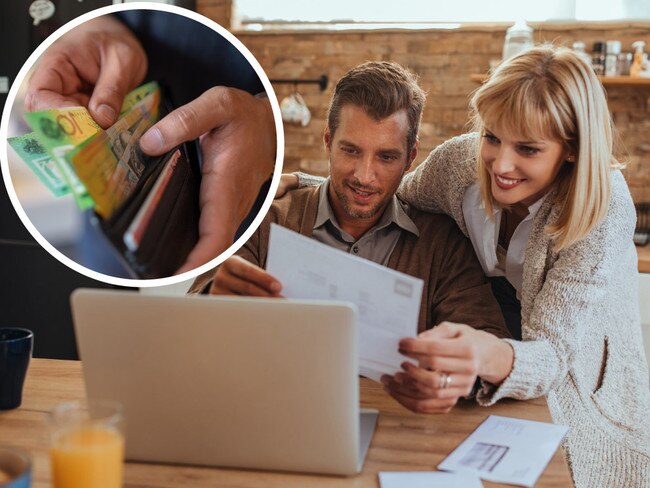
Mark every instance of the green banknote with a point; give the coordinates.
(59, 131)
(137, 95)
(110, 163)
(61, 127)
(30, 149)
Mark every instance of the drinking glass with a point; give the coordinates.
(87, 444)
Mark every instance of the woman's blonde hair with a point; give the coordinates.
(550, 93)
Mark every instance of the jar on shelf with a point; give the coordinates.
(579, 48)
(624, 64)
(611, 58)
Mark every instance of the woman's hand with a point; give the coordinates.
(449, 359)
(288, 182)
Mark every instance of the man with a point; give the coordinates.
(371, 141)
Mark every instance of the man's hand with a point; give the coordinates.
(236, 276)
(238, 142)
(450, 357)
(94, 65)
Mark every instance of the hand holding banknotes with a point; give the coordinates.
(450, 357)
(237, 134)
(94, 65)
(236, 276)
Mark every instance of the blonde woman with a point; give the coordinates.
(541, 197)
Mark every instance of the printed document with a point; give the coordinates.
(388, 301)
(428, 479)
(507, 450)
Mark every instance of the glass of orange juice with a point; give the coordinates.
(87, 444)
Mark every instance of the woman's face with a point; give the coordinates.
(521, 171)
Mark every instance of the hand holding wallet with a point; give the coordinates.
(156, 227)
(146, 206)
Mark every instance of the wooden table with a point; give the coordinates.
(403, 441)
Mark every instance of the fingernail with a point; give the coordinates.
(398, 379)
(151, 141)
(30, 100)
(107, 112)
(276, 287)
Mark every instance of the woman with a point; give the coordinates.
(541, 197)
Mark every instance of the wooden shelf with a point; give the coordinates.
(624, 81)
(478, 78)
(644, 258)
(606, 80)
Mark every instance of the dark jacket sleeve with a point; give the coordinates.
(462, 293)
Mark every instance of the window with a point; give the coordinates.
(255, 14)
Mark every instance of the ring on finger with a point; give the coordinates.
(444, 380)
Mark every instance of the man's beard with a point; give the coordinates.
(348, 207)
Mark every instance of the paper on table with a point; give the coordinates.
(507, 450)
(388, 301)
(429, 479)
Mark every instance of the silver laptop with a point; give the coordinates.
(236, 382)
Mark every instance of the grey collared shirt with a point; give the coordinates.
(377, 244)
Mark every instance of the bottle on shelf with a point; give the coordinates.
(637, 64)
(519, 37)
(598, 58)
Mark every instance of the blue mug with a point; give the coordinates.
(16, 466)
(15, 351)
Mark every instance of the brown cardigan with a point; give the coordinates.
(455, 288)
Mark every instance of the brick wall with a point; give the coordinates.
(218, 10)
(444, 61)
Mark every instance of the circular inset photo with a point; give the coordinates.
(143, 145)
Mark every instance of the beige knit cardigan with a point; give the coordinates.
(582, 346)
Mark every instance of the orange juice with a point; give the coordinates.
(90, 457)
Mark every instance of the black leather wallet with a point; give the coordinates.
(156, 227)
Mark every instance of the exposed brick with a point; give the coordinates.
(218, 10)
(443, 60)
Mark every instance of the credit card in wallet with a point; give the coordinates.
(136, 230)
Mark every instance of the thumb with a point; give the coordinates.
(111, 87)
(211, 110)
(444, 330)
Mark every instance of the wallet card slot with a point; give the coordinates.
(123, 215)
(173, 229)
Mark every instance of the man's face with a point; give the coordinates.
(367, 161)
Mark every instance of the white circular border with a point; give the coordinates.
(4, 162)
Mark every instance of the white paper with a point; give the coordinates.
(388, 301)
(428, 479)
(507, 450)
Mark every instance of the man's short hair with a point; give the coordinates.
(381, 88)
